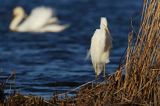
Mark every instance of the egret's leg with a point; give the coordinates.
(104, 75)
(96, 72)
(96, 76)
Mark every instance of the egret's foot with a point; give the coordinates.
(92, 84)
(104, 72)
(96, 77)
(96, 81)
(104, 75)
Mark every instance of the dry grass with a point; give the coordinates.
(141, 84)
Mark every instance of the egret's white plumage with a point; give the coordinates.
(101, 44)
(41, 19)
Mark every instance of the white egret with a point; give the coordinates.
(41, 19)
(101, 44)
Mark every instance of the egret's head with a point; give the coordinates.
(18, 11)
(103, 24)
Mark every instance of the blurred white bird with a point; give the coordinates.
(41, 19)
(101, 44)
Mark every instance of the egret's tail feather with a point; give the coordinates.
(88, 55)
(98, 68)
(107, 61)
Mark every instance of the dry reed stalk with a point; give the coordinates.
(142, 80)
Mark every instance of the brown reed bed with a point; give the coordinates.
(139, 86)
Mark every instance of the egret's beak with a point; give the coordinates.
(13, 16)
(105, 28)
(11, 30)
(25, 15)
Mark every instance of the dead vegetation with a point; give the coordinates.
(141, 66)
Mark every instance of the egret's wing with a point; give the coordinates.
(107, 61)
(108, 43)
(88, 55)
(38, 18)
(108, 38)
(97, 45)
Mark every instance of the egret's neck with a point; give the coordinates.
(103, 28)
(16, 21)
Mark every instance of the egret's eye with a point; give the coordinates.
(13, 15)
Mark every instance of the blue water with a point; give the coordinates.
(49, 62)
